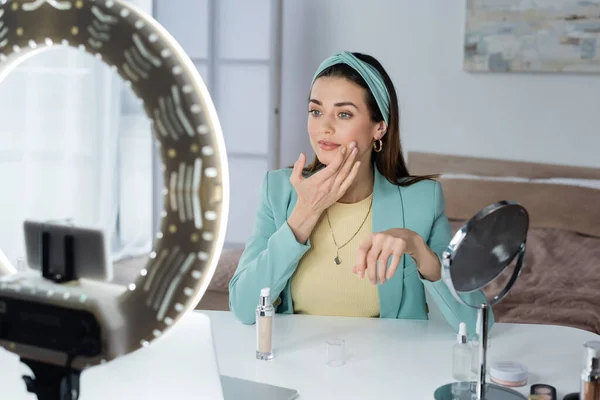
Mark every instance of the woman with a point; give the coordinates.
(352, 234)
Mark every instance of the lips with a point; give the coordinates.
(327, 146)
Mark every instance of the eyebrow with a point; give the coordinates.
(342, 104)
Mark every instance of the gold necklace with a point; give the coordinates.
(338, 260)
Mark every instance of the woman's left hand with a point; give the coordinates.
(375, 251)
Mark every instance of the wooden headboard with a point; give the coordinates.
(549, 205)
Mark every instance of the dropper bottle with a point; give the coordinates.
(461, 356)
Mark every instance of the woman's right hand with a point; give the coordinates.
(327, 186)
(319, 191)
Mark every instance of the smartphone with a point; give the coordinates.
(87, 249)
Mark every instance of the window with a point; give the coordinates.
(235, 46)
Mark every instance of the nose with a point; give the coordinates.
(326, 125)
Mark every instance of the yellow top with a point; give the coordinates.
(321, 287)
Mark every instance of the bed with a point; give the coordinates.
(560, 280)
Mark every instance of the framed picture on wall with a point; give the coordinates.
(532, 36)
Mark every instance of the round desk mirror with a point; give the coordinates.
(480, 251)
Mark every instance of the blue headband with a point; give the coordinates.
(368, 73)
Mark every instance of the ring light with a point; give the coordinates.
(106, 321)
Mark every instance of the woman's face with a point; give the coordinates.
(338, 115)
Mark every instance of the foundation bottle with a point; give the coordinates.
(265, 312)
(590, 377)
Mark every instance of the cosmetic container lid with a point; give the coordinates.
(592, 349)
(592, 357)
(265, 292)
(509, 371)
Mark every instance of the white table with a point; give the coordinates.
(397, 359)
(390, 359)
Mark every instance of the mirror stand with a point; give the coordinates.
(499, 229)
(483, 328)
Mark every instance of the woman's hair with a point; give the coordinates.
(390, 160)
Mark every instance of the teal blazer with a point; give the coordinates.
(272, 252)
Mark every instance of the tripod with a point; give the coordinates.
(52, 382)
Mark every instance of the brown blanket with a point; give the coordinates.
(559, 283)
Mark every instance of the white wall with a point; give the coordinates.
(541, 118)
(231, 42)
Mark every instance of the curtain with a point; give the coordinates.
(75, 145)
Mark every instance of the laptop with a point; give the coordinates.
(236, 388)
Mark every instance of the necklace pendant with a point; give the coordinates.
(337, 260)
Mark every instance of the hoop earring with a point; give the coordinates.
(378, 145)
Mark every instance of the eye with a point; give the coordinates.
(314, 113)
(344, 115)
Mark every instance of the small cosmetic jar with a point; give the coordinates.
(509, 373)
(543, 391)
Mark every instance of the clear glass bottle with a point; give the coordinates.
(461, 356)
(265, 313)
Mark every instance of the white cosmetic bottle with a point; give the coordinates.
(461, 356)
(265, 313)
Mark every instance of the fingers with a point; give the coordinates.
(332, 169)
(296, 176)
(346, 168)
(398, 249)
(396, 256)
(339, 161)
(385, 243)
(382, 262)
(361, 257)
(368, 257)
(372, 257)
(350, 178)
